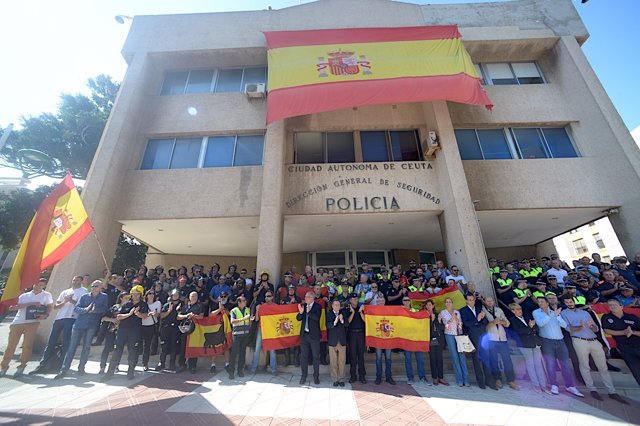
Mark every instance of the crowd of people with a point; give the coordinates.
(543, 309)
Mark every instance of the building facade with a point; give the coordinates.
(187, 165)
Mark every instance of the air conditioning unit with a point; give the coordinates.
(255, 90)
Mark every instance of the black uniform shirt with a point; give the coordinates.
(612, 322)
(133, 320)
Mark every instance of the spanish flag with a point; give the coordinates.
(280, 328)
(394, 327)
(325, 70)
(58, 226)
(600, 309)
(418, 298)
(211, 336)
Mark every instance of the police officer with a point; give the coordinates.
(169, 333)
(111, 321)
(356, 340)
(129, 332)
(240, 322)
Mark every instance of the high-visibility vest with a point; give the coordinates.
(380, 276)
(504, 283)
(241, 328)
(520, 293)
(538, 269)
(529, 274)
(579, 300)
(538, 293)
(413, 288)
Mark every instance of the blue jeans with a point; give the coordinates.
(60, 327)
(256, 356)
(458, 359)
(553, 350)
(387, 363)
(86, 336)
(419, 362)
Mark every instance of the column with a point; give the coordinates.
(458, 221)
(271, 219)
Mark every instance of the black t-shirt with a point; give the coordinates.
(607, 286)
(172, 317)
(112, 294)
(356, 323)
(185, 291)
(612, 322)
(132, 321)
(393, 292)
(260, 297)
(195, 309)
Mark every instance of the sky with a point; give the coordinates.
(49, 47)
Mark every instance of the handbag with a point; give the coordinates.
(464, 344)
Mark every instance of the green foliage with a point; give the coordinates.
(130, 253)
(16, 211)
(70, 136)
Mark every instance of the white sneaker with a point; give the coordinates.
(554, 390)
(409, 381)
(572, 390)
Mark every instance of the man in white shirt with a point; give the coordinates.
(557, 271)
(63, 324)
(32, 307)
(459, 280)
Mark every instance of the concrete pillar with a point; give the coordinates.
(458, 222)
(271, 219)
(100, 191)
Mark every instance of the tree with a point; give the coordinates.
(70, 136)
(129, 254)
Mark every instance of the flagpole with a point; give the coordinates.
(104, 259)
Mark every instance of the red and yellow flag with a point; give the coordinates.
(280, 328)
(325, 70)
(600, 309)
(394, 327)
(211, 336)
(58, 226)
(418, 298)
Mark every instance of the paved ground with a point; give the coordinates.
(261, 399)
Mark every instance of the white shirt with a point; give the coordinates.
(44, 297)
(457, 279)
(373, 295)
(560, 274)
(154, 307)
(433, 290)
(66, 311)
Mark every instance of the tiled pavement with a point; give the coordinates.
(184, 399)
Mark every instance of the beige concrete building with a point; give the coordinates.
(187, 165)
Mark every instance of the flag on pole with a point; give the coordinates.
(59, 225)
(314, 71)
(211, 336)
(418, 298)
(395, 327)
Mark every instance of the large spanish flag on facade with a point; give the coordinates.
(211, 336)
(59, 225)
(325, 70)
(280, 328)
(394, 327)
(418, 298)
(600, 309)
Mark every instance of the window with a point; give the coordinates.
(598, 239)
(510, 73)
(212, 151)
(390, 146)
(316, 147)
(522, 143)
(487, 144)
(212, 80)
(427, 257)
(580, 246)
